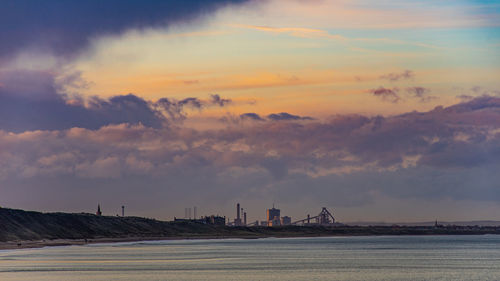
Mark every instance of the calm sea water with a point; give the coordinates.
(332, 258)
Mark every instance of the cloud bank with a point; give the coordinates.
(448, 152)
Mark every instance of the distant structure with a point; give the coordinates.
(323, 218)
(273, 217)
(237, 220)
(98, 213)
(194, 211)
(123, 211)
(187, 213)
(286, 220)
(212, 220)
(437, 225)
(215, 220)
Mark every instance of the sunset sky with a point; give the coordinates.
(378, 110)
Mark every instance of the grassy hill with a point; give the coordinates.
(27, 225)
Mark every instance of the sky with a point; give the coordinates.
(378, 110)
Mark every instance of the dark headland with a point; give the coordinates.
(22, 229)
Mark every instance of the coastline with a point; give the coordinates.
(27, 229)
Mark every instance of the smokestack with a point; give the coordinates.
(238, 211)
(123, 211)
(245, 218)
(194, 212)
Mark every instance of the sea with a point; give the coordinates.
(366, 258)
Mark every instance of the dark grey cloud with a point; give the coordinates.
(217, 100)
(476, 105)
(420, 93)
(387, 94)
(284, 116)
(474, 92)
(191, 102)
(31, 100)
(66, 27)
(393, 77)
(251, 116)
(465, 97)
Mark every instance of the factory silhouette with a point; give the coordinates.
(273, 218)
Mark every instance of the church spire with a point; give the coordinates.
(99, 213)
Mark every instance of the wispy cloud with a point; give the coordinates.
(393, 77)
(312, 33)
(420, 93)
(386, 94)
(294, 31)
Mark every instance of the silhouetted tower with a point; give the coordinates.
(238, 211)
(123, 211)
(99, 213)
(245, 218)
(194, 209)
(237, 220)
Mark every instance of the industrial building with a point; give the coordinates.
(273, 217)
(212, 220)
(237, 220)
(323, 218)
(286, 220)
(215, 220)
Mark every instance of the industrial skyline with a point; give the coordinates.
(379, 110)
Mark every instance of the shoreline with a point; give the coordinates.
(36, 244)
(27, 229)
(30, 244)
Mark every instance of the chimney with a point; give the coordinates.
(238, 211)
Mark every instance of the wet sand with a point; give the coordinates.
(25, 244)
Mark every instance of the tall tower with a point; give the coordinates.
(123, 211)
(273, 216)
(238, 211)
(237, 220)
(99, 213)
